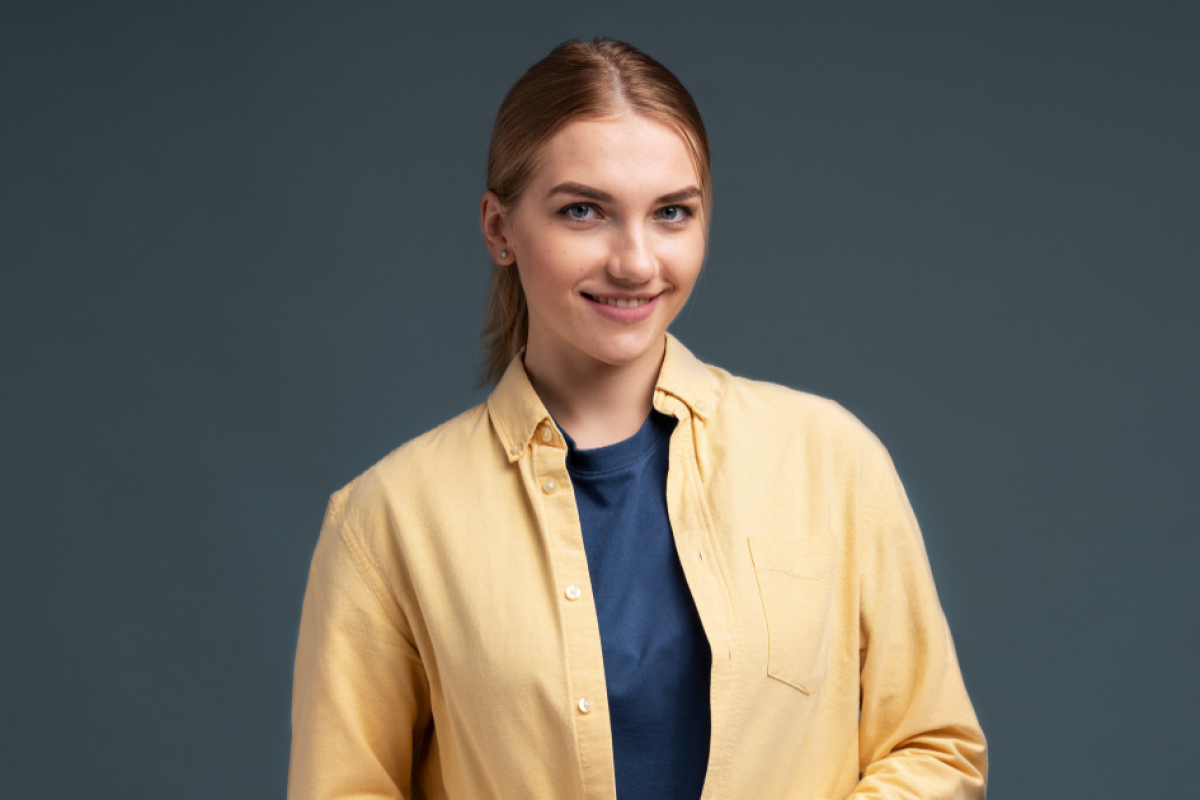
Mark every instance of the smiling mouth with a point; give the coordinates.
(617, 302)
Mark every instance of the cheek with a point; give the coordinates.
(684, 256)
(555, 259)
(547, 270)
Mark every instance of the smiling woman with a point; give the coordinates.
(628, 574)
(608, 238)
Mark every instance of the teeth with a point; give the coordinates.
(612, 301)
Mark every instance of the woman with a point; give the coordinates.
(627, 574)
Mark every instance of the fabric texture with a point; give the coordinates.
(656, 657)
(442, 654)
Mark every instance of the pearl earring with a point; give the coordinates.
(504, 254)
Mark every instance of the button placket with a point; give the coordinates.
(548, 477)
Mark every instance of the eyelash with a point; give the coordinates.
(687, 211)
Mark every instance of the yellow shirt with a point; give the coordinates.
(449, 646)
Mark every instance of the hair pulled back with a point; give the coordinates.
(578, 79)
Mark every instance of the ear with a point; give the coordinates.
(495, 230)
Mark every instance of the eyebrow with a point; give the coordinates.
(579, 190)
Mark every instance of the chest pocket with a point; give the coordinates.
(795, 580)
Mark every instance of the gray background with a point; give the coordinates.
(241, 263)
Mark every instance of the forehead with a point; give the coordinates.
(631, 155)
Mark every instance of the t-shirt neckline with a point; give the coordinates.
(619, 455)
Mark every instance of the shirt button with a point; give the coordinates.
(516, 449)
(550, 486)
(700, 404)
(547, 435)
(573, 592)
(585, 705)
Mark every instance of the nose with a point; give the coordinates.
(632, 259)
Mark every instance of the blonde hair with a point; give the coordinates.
(597, 78)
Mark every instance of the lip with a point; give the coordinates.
(626, 315)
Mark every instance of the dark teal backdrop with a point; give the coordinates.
(241, 263)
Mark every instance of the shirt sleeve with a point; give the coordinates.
(918, 734)
(360, 693)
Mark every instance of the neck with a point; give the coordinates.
(597, 404)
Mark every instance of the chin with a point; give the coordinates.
(623, 350)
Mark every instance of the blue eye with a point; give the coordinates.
(675, 213)
(579, 211)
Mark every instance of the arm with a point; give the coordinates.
(360, 695)
(918, 735)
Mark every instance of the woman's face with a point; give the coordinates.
(608, 237)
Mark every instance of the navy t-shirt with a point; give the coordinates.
(656, 657)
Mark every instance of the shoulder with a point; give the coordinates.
(419, 474)
(743, 415)
(766, 411)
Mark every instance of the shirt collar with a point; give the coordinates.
(517, 412)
